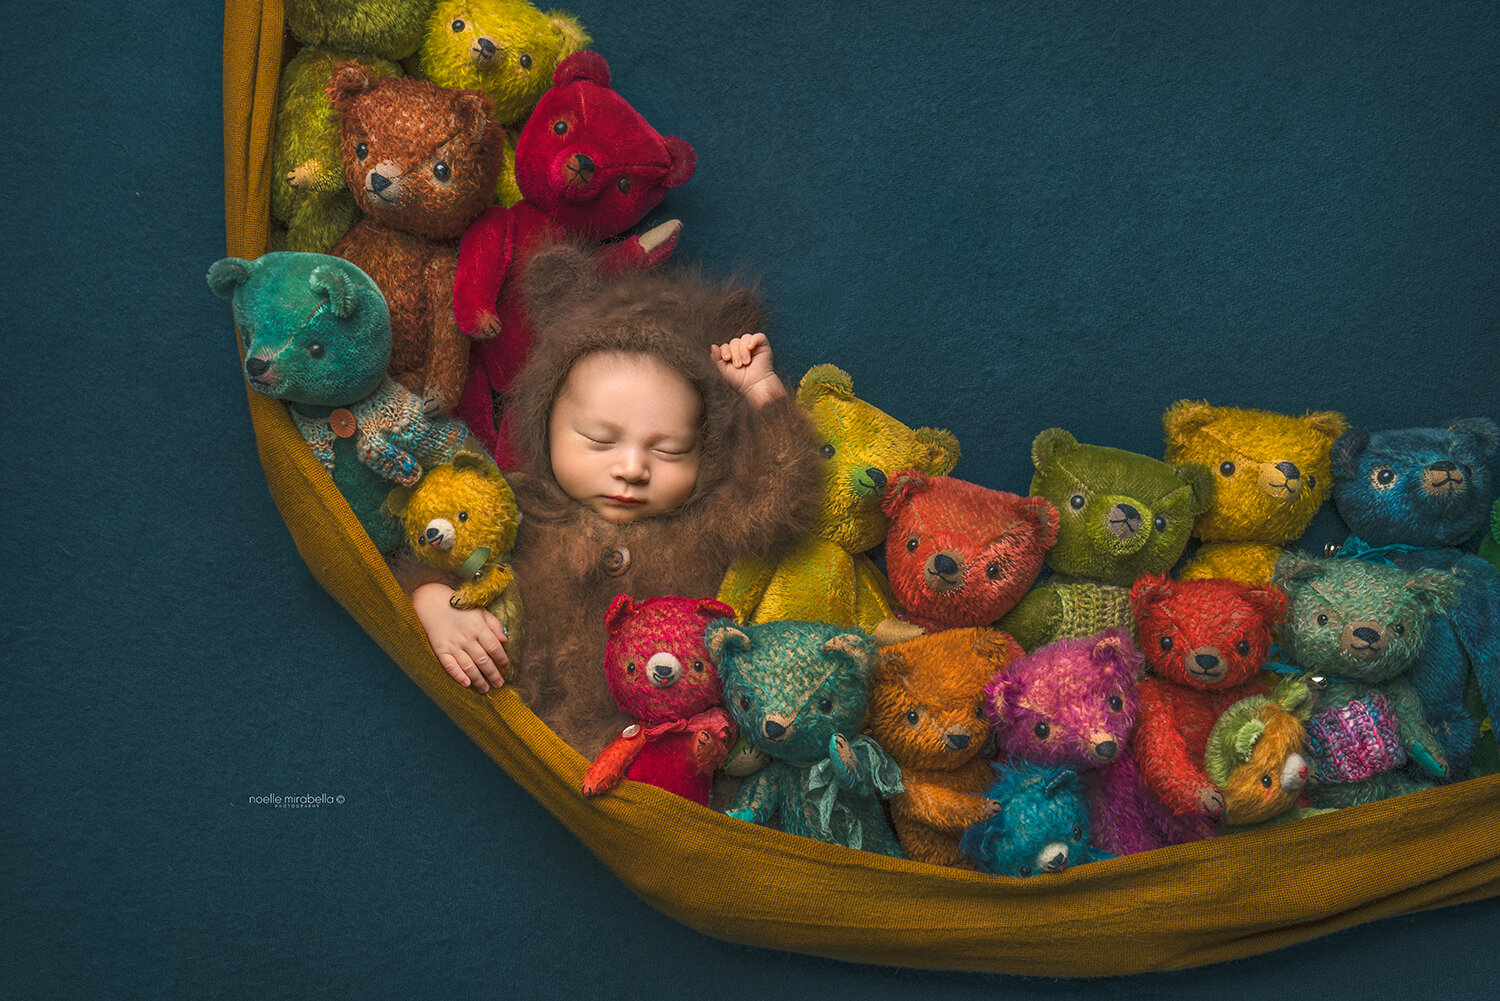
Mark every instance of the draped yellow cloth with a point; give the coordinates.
(1169, 909)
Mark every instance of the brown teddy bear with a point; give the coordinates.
(421, 161)
(925, 711)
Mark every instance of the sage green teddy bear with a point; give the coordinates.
(1121, 515)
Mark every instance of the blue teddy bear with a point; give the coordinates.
(1043, 823)
(317, 335)
(797, 692)
(1416, 498)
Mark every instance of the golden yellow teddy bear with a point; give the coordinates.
(461, 517)
(1273, 473)
(827, 577)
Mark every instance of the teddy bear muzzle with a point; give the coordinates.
(663, 669)
(439, 534)
(1127, 528)
(943, 573)
(776, 727)
(384, 184)
(256, 370)
(1052, 858)
(484, 52)
(1295, 772)
(1364, 640)
(1443, 479)
(1281, 480)
(1206, 665)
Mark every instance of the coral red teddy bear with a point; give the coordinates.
(660, 672)
(1204, 642)
(589, 166)
(958, 554)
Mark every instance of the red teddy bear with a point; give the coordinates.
(1204, 643)
(960, 555)
(589, 166)
(660, 672)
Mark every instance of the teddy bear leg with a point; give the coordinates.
(1439, 677)
(476, 407)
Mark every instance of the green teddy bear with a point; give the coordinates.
(1121, 515)
(827, 577)
(387, 29)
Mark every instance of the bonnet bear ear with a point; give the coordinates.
(1050, 444)
(822, 380)
(1198, 477)
(332, 282)
(903, 485)
(470, 460)
(554, 276)
(1346, 451)
(1185, 417)
(1293, 567)
(621, 609)
(1437, 590)
(726, 636)
(584, 65)
(348, 83)
(683, 162)
(1328, 423)
(228, 274)
(941, 448)
(1268, 600)
(1149, 591)
(1482, 432)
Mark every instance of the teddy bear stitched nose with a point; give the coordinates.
(1124, 520)
(1367, 634)
(1289, 470)
(378, 181)
(256, 366)
(958, 741)
(876, 477)
(944, 564)
(773, 729)
(581, 167)
(1206, 661)
(1105, 750)
(487, 48)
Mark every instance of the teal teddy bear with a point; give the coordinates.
(317, 335)
(798, 691)
(1358, 627)
(1121, 515)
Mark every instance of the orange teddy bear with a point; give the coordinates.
(925, 711)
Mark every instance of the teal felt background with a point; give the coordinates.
(999, 217)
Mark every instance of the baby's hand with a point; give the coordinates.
(469, 642)
(746, 363)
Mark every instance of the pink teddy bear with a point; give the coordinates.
(1073, 702)
(660, 672)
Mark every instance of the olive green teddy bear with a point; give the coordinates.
(1121, 515)
(827, 577)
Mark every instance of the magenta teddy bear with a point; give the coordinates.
(589, 167)
(1073, 702)
(960, 555)
(660, 672)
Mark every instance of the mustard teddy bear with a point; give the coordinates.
(1273, 473)
(461, 517)
(827, 577)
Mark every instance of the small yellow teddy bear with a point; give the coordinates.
(1273, 474)
(462, 517)
(827, 577)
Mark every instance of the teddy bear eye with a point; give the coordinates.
(698, 666)
(442, 171)
(1076, 502)
(1399, 629)
(1242, 647)
(1226, 469)
(979, 712)
(1322, 619)
(1265, 780)
(560, 128)
(525, 60)
(912, 717)
(1160, 521)
(361, 150)
(825, 704)
(1077, 832)
(1312, 482)
(744, 702)
(1026, 870)
(911, 544)
(1116, 703)
(630, 667)
(1041, 730)
(1384, 476)
(315, 350)
(457, 26)
(1165, 642)
(624, 185)
(463, 516)
(826, 451)
(992, 571)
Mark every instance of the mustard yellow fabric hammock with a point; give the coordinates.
(1169, 909)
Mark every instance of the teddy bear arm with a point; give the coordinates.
(745, 584)
(641, 252)
(484, 260)
(485, 588)
(445, 368)
(1120, 813)
(756, 800)
(873, 601)
(389, 460)
(1416, 733)
(1035, 619)
(320, 220)
(609, 767)
(1161, 752)
(940, 807)
(1250, 562)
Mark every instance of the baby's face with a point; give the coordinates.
(624, 436)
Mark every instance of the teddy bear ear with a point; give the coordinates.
(621, 609)
(824, 379)
(228, 274)
(1148, 591)
(476, 115)
(332, 282)
(1330, 424)
(1063, 781)
(903, 485)
(571, 35)
(1296, 697)
(583, 65)
(1114, 645)
(999, 689)
(726, 636)
(941, 448)
(554, 275)
(348, 82)
(1268, 600)
(996, 647)
(1295, 567)
(1346, 451)
(1185, 417)
(1043, 514)
(1050, 444)
(1436, 589)
(1201, 479)
(470, 460)
(396, 501)
(1246, 737)
(1481, 431)
(715, 608)
(856, 647)
(682, 159)
(890, 665)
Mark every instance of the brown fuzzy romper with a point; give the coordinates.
(757, 490)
